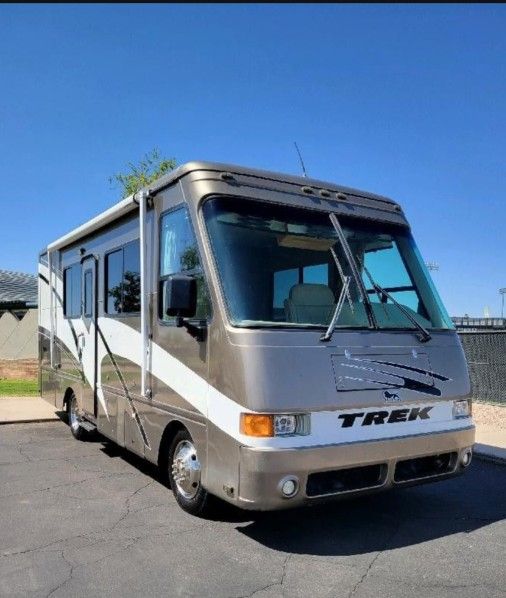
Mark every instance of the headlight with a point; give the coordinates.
(268, 425)
(461, 408)
(284, 424)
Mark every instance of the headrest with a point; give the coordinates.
(311, 294)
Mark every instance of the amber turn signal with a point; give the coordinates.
(255, 424)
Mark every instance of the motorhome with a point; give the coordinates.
(267, 339)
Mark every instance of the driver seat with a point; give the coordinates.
(310, 304)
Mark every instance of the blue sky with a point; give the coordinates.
(406, 101)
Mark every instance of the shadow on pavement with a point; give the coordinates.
(393, 519)
(387, 520)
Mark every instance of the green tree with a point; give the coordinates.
(150, 168)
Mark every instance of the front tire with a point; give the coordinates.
(74, 418)
(184, 473)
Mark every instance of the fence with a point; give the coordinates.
(18, 338)
(486, 357)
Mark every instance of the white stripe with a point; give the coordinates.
(224, 413)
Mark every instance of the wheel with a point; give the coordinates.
(75, 419)
(184, 475)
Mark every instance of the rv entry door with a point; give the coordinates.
(88, 339)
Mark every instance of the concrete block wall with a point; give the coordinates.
(18, 338)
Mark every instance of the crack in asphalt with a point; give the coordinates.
(279, 583)
(41, 547)
(442, 584)
(67, 485)
(127, 533)
(128, 511)
(126, 504)
(29, 459)
(371, 564)
(65, 581)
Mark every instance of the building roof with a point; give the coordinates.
(17, 288)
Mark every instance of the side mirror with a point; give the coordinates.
(180, 297)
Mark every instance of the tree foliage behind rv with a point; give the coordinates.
(140, 175)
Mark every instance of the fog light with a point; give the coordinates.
(466, 457)
(289, 487)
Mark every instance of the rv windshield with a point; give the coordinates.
(285, 266)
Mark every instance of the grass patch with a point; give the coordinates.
(18, 388)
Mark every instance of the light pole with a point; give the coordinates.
(502, 292)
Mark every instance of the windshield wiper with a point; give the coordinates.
(424, 333)
(337, 312)
(343, 277)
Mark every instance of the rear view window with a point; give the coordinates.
(72, 291)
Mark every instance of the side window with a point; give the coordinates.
(72, 291)
(123, 280)
(88, 294)
(316, 274)
(179, 254)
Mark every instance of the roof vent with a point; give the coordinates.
(341, 196)
(324, 193)
(307, 190)
(226, 176)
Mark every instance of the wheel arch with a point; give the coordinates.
(171, 429)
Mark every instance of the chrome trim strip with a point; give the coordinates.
(340, 444)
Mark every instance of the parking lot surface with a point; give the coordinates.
(89, 519)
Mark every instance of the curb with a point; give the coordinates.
(39, 420)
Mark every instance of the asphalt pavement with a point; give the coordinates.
(89, 519)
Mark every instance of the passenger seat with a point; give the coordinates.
(310, 304)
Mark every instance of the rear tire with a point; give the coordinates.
(74, 418)
(184, 474)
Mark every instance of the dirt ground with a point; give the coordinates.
(490, 415)
(19, 369)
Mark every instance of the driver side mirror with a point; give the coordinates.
(180, 297)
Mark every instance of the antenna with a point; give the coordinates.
(301, 160)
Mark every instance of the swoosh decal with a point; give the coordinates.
(411, 369)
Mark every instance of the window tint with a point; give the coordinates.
(179, 254)
(88, 293)
(316, 274)
(258, 246)
(285, 280)
(387, 268)
(114, 269)
(72, 291)
(123, 281)
(131, 278)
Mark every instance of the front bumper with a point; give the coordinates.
(262, 469)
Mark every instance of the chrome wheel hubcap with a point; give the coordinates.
(75, 418)
(186, 469)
